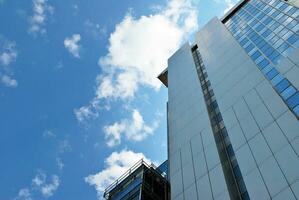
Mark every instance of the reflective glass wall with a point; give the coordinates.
(268, 30)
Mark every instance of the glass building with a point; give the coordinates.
(141, 182)
(233, 106)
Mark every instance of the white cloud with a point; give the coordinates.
(46, 188)
(24, 194)
(49, 134)
(59, 163)
(116, 164)
(94, 29)
(40, 184)
(134, 129)
(229, 5)
(49, 189)
(64, 146)
(85, 112)
(139, 48)
(71, 44)
(8, 81)
(39, 179)
(41, 9)
(8, 54)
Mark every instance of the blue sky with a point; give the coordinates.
(79, 98)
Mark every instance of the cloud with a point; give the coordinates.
(41, 10)
(46, 188)
(229, 5)
(94, 30)
(8, 81)
(64, 146)
(116, 164)
(59, 163)
(85, 112)
(49, 134)
(134, 129)
(71, 44)
(139, 48)
(49, 189)
(24, 194)
(40, 185)
(8, 55)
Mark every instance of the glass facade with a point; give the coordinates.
(268, 30)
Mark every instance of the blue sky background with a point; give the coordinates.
(49, 69)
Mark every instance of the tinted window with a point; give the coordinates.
(282, 85)
(294, 100)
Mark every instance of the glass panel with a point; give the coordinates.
(288, 92)
(277, 79)
(256, 55)
(270, 75)
(282, 85)
(296, 110)
(294, 100)
(293, 39)
(264, 63)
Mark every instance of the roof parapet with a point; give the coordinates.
(163, 77)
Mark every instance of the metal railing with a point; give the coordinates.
(125, 175)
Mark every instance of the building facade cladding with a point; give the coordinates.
(260, 120)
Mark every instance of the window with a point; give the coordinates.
(288, 92)
(256, 55)
(296, 110)
(282, 85)
(264, 63)
(294, 100)
(293, 39)
(267, 69)
(276, 79)
(283, 47)
(230, 150)
(237, 172)
(275, 57)
(249, 47)
(271, 74)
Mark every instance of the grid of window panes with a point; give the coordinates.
(268, 30)
(236, 185)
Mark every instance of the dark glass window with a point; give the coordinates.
(249, 47)
(293, 39)
(296, 110)
(294, 100)
(264, 63)
(256, 55)
(230, 150)
(276, 79)
(237, 172)
(282, 85)
(245, 196)
(244, 41)
(224, 132)
(267, 69)
(271, 74)
(283, 47)
(288, 92)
